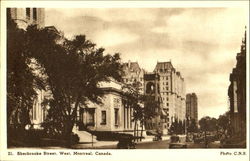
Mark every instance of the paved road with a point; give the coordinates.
(212, 145)
(153, 145)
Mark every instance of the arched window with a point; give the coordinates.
(150, 88)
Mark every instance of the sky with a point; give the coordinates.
(201, 43)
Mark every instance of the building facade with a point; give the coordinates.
(27, 16)
(133, 74)
(112, 115)
(152, 91)
(237, 94)
(172, 91)
(170, 87)
(24, 17)
(192, 107)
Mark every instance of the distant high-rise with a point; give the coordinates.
(192, 107)
(27, 16)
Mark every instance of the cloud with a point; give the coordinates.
(200, 42)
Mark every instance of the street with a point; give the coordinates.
(153, 145)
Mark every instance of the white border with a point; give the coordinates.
(121, 155)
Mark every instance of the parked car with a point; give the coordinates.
(175, 143)
(126, 142)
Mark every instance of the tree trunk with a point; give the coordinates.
(135, 130)
(142, 123)
(206, 143)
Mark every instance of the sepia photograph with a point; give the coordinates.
(107, 78)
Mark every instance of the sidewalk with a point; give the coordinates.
(96, 145)
(150, 138)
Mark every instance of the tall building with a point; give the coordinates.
(27, 16)
(192, 107)
(237, 94)
(170, 87)
(133, 74)
(172, 91)
(152, 90)
(24, 17)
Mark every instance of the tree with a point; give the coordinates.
(134, 100)
(73, 69)
(207, 124)
(223, 122)
(150, 110)
(21, 80)
(191, 126)
(143, 105)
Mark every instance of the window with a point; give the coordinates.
(167, 104)
(116, 116)
(8, 14)
(104, 118)
(91, 117)
(28, 13)
(34, 13)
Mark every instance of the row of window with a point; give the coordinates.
(163, 70)
(165, 88)
(91, 117)
(164, 99)
(132, 80)
(166, 78)
(164, 83)
(28, 13)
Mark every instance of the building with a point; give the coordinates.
(24, 17)
(112, 115)
(27, 16)
(133, 74)
(172, 91)
(237, 94)
(169, 86)
(192, 107)
(152, 90)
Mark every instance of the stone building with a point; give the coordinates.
(170, 87)
(24, 17)
(172, 91)
(192, 107)
(112, 115)
(237, 94)
(27, 16)
(152, 89)
(133, 74)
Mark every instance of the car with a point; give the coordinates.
(126, 142)
(175, 142)
(177, 145)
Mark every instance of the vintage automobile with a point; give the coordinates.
(175, 143)
(126, 142)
